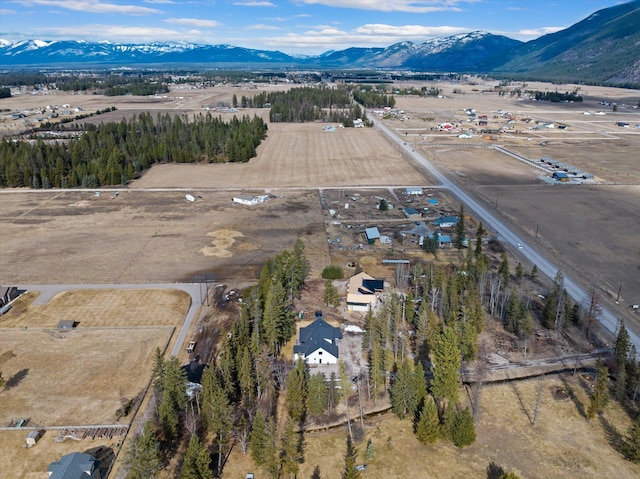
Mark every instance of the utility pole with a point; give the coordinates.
(619, 291)
(497, 200)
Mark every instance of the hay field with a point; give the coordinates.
(106, 308)
(299, 155)
(77, 377)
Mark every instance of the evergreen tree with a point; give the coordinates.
(290, 454)
(622, 346)
(519, 271)
(479, 235)
(600, 395)
(278, 322)
(503, 270)
(509, 475)
(631, 444)
(447, 423)
(350, 458)
(331, 296)
(460, 239)
(217, 413)
(272, 460)
(463, 432)
(402, 393)
(317, 395)
(196, 461)
(173, 399)
(377, 373)
(144, 456)
(259, 439)
(383, 206)
(446, 367)
(534, 272)
(296, 394)
(428, 425)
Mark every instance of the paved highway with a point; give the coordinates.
(504, 233)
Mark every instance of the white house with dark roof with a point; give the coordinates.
(318, 343)
(76, 465)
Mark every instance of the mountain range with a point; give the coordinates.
(602, 48)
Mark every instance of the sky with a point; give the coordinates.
(291, 26)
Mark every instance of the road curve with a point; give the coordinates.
(195, 290)
(546, 267)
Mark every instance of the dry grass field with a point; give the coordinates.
(157, 236)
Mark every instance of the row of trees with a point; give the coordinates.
(114, 153)
(370, 98)
(556, 96)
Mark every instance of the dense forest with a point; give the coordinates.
(114, 153)
(108, 84)
(299, 105)
(555, 96)
(373, 99)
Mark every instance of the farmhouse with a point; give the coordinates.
(76, 465)
(372, 234)
(446, 221)
(363, 292)
(318, 343)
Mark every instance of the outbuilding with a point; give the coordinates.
(561, 176)
(372, 234)
(412, 213)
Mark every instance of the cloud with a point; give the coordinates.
(119, 34)
(194, 22)
(261, 26)
(91, 6)
(412, 6)
(261, 3)
(163, 2)
(6, 11)
(538, 32)
(408, 31)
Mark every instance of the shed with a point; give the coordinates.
(372, 235)
(412, 213)
(66, 324)
(32, 438)
(561, 176)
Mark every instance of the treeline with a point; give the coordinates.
(114, 153)
(373, 99)
(240, 387)
(137, 88)
(555, 96)
(305, 104)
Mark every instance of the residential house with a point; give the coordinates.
(318, 343)
(76, 465)
(446, 221)
(250, 200)
(363, 292)
(561, 176)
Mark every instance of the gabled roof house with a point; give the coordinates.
(446, 221)
(76, 465)
(318, 343)
(363, 292)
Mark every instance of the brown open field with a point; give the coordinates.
(77, 377)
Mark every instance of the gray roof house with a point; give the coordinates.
(446, 221)
(76, 465)
(318, 343)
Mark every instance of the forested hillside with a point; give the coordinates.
(114, 153)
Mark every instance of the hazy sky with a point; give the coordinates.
(291, 26)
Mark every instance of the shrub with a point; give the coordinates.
(332, 272)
